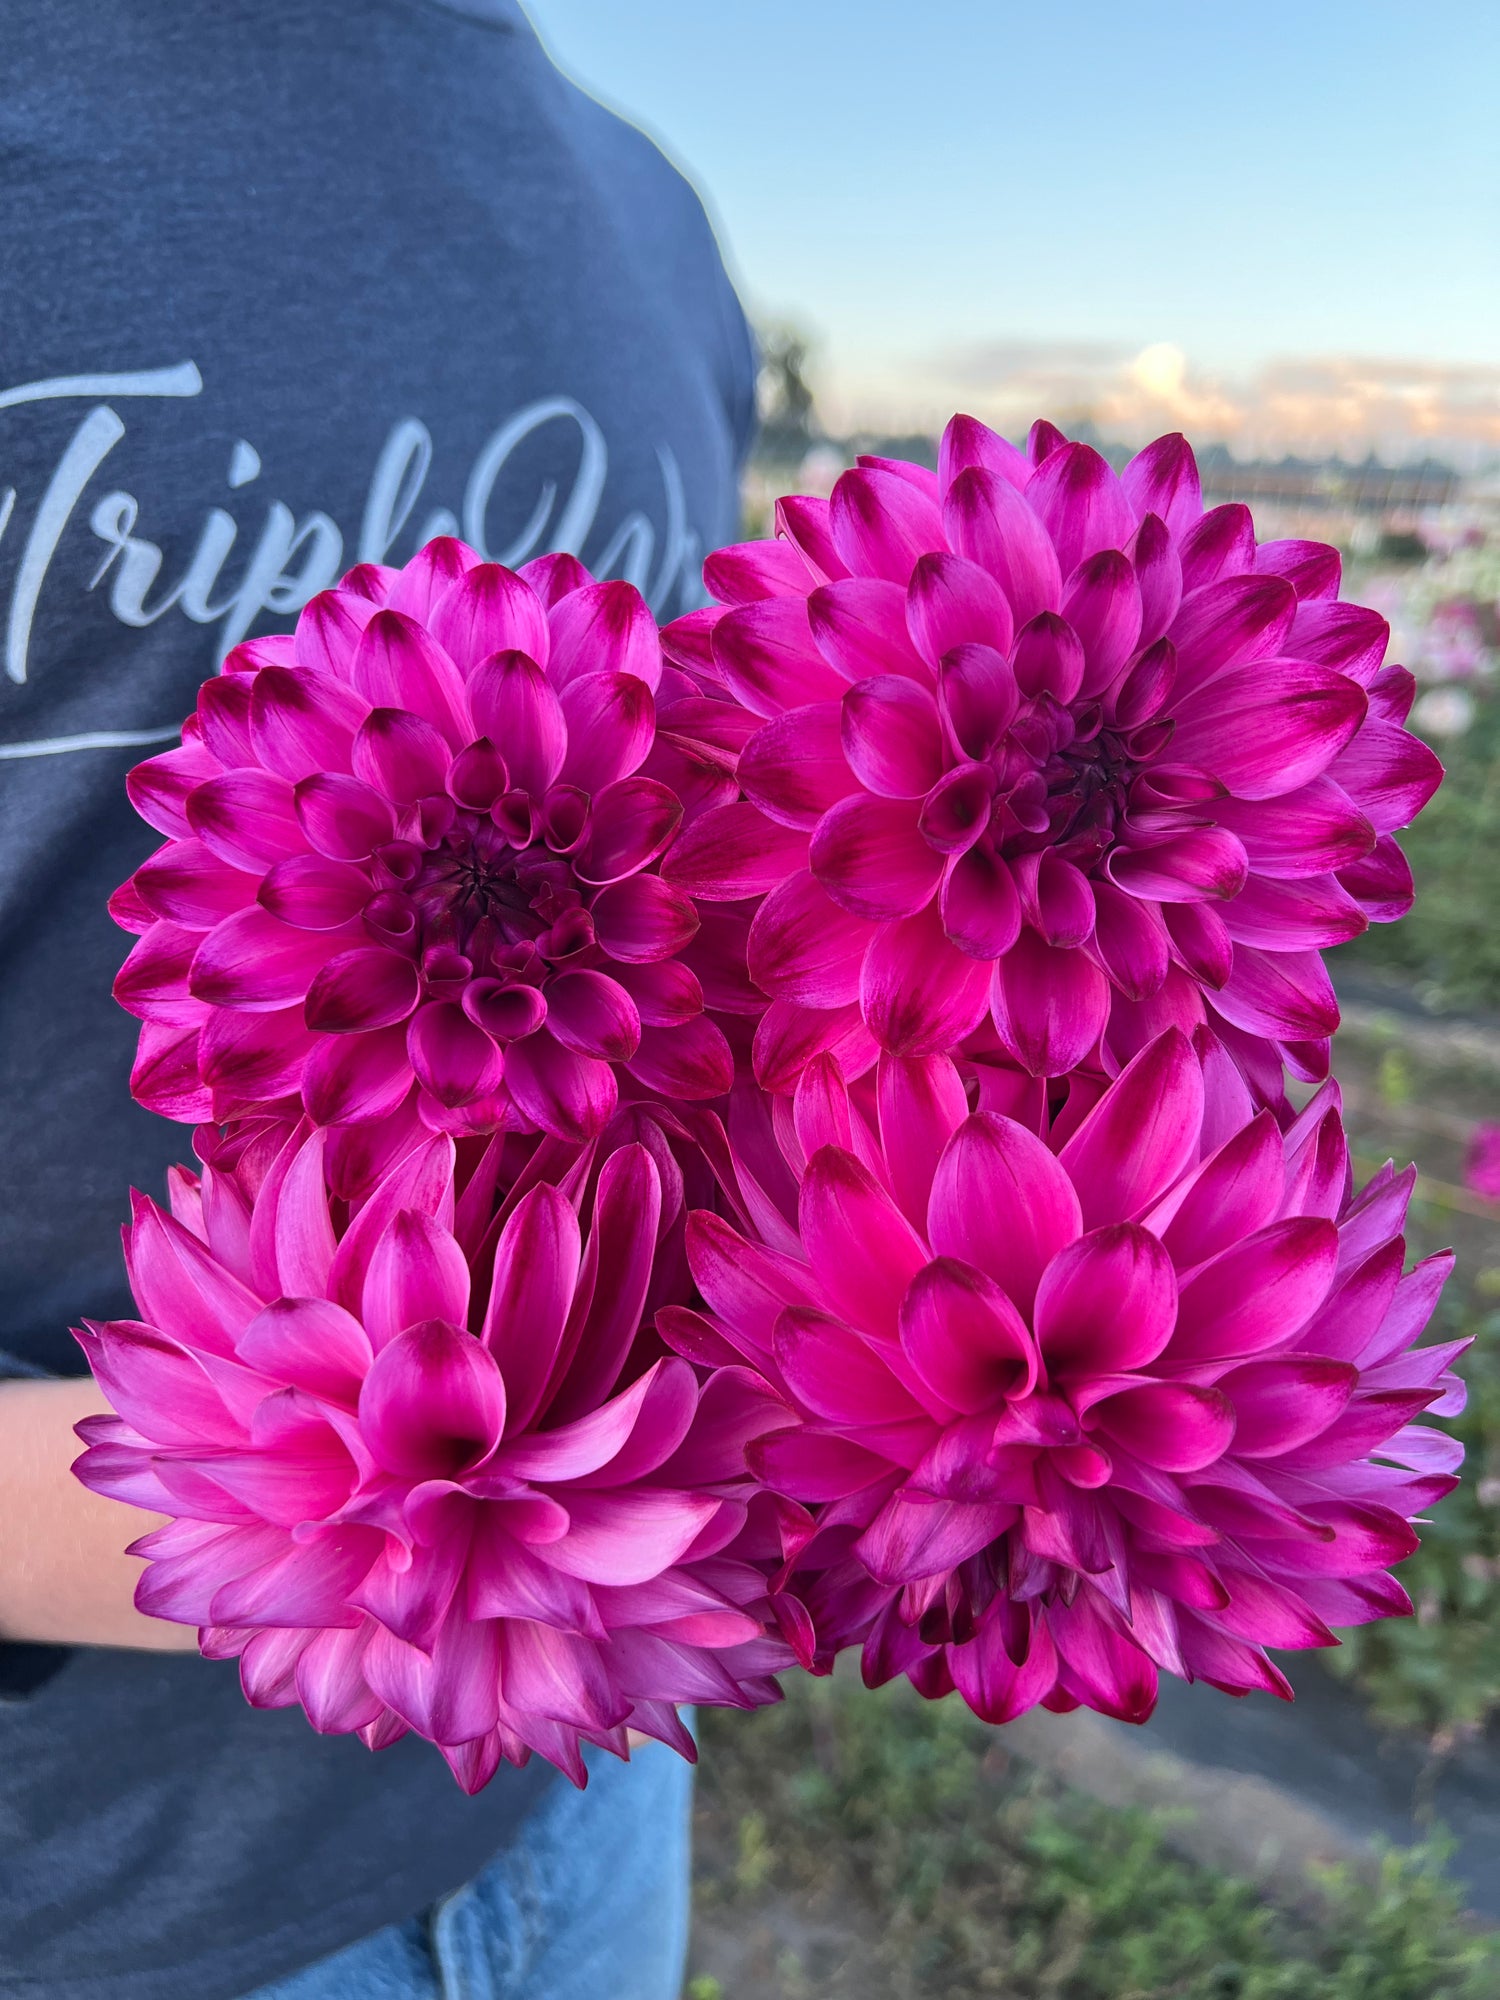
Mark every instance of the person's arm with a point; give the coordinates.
(64, 1576)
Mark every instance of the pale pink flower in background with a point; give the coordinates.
(419, 1473)
(1482, 1162)
(410, 862)
(1050, 754)
(1127, 1392)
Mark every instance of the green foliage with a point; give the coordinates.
(993, 1880)
(1451, 940)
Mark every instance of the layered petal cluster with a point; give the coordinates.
(420, 1473)
(410, 862)
(1125, 1391)
(1050, 752)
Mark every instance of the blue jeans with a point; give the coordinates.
(591, 1903)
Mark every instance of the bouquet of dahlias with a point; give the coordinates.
(705, 1165)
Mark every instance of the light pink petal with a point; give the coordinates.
(1163, 480)
(517, 708)
(363, 988)
(862, 1248)
(953, 602)
(398, 664)
(989, 522)
(603, 628)
(433, 1403)
(1259, 1293)
(1140, 1135)
(1102, 604)
(859, 626)
(1106, 1303)
(1001, 1201)
(1049, 1004)
(920, 994)
(870, 857)
(1078, 497)
(1266, 729)
(965, 1339)
(490, 610)
(794, 767)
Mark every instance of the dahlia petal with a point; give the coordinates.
(794, 767)
(922, 1104)
(611, 722)
(967, 442)
(367, 987)
(1229, 623)
(253, 1056)
(603, 628)
(1381, 881)
(253, 961)
(559, 1675)
(869, 855)
(692, 1061)
(804, 521)
(1098, 1665)
(769, 660)
(892, 737)
(160, 788)
(789, 1035)
(401, 756)
(643, 919)
(1308, 831)
(536, 1272)
(314, 893)
(965, 1339)
(1130, 939)
(1313, 569)
(450, 1696)
(1158, 575)
(329, 628)
(308, 1586)
(953, 602)
(311, 1344)
(1219, 543)
(187, 883)
(991, 524)
(433, 1402)
(912, 1538)
(631, 822)
(1283, 1403)
(1388, 773)
(804, 946)
(1205, 863)
(748, 571)
(437, 567)
(158, 1386)
(734, 851)
(862, 1248)
(920, 994)
(1049, 1004)
(517, 708)
(246, 818)
(882, 523)
(629, 1536)
(980, 909)
(1300, 916)
(1266, 729)
(1236, 1191)
(1162, 479)
(1285, 994)
(451, 1056)
(1079, 498)
(1000, 1201)
(978, 696)
(995, 1687)
(1258, 1294)
(1102, 604)
(351, 1079)
(1413, 1305)
(342, 817)
(1349, 637)
(555, 576)
(164, 1075)
(859, 626)
(1058, 898)
(571, 1096)
(1106, 1303)
(398, 664)
(1140, 1135)
(489, 610)
(835, 1374)
(416, 1273)
(1170, 1425)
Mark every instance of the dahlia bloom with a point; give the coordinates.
(1482, 1161)
(419, 1476)
(1078, 1405)
(1051, 745)
(409, 859)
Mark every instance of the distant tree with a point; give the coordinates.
(788, 419)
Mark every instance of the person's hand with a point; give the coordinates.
(64, 1576)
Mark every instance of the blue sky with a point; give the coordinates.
(938, 188)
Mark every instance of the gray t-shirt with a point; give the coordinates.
(283, 286)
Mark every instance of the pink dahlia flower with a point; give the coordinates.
(1482, 1161)
(1051, 744)
(1134, 1395)
(417, 1480)
(410, 856)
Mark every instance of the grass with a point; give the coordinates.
(991, 1879)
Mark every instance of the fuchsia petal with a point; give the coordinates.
(768, 659)
(794, 767)
(869, 855)
(433, 1403)
(536, 1270)
(254, 961)
(881, 523)
(862, 1248)
(611, 722)
(1106, 1303)
(1049, 1004)
(964, 1337)
(1102, 604)
(734, 851)
(892, 737)
(1163, 480)
(804, 947)
(490, 610)
(989, 522)
(572, 1096)
(398, 664)
(1264, 730)
(922, 1104)
(1141, 1134)
(515, 705)
(967, 442)
(1257, 1294)
(860, 628)
(953, 602)
(1001, 1201)
(920, 994)
(360, 989)
(603, 628)
(1078, 496)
